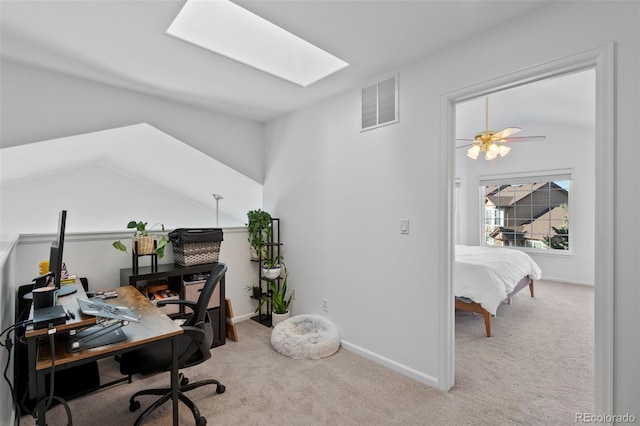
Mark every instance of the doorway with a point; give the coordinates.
(562, 108)
(601, 59)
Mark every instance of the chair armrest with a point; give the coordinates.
(187, 303)
(199, 336)
(195, 331)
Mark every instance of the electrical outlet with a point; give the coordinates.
(325, 305)
(293, 294)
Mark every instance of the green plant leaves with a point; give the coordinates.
(141, 230)
(259, 227)
(278, 298)
(118, 245)
(162, 243)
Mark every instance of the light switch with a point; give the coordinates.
(404, 226)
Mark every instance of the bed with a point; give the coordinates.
(485, 277)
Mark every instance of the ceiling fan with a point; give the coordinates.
(491, 142)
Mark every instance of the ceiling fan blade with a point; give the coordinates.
(523, 139)
(506, 132)
(464, 146)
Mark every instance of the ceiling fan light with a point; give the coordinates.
(504, 150)
(473, 152)
(494, 149)
(490, 155)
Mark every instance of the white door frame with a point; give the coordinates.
(602, 59)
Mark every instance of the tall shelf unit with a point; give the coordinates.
(272, 250)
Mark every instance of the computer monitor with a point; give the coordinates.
(54, 276)
(55, 256)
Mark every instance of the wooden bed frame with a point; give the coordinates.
(477, 308)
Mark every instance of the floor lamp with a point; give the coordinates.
(218, 198)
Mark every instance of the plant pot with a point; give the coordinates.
(278, 318)
(255, 255)
(257, 293)
(271, 273)
(146, 244)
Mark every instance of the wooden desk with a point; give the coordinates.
(154, 325)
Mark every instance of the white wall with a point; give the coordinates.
(565, 147)
(39, 105)
(7, 318)
(341, 193)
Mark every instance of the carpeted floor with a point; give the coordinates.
(537, 369)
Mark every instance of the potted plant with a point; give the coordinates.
(259, 227)
(255, 291)
(145, 241)
(279, 302)
(272, 268)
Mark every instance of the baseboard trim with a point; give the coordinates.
(240, 318)
(565, 281)
(400, 368)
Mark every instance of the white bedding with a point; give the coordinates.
(488, 274)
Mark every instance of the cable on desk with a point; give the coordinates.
(8, 343)
(36, 413)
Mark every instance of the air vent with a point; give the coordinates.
(379, 104)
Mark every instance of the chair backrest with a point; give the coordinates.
(199, 328)
(200, 313)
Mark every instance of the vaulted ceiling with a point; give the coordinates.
(124, 44)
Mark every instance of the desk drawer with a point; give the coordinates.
(192, 289)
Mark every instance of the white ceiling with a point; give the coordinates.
(124, 43)
(567, 100)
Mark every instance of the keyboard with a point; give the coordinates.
(105, 310)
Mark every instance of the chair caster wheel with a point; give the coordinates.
(184, 381)
(220, 389)
(134, 405)
(201, 421)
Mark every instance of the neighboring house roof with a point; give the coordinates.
(509, 195)
(539, 227)
(505, 195)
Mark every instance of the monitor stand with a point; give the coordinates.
(62, 291)
(66, 290)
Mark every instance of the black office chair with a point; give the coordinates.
(193, 348)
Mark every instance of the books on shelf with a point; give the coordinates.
(166, 294)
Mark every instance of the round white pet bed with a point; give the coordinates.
(305, 337)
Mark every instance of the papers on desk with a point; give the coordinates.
(100, 308)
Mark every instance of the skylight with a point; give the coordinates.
(229, 30)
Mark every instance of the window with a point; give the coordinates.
(527, 211)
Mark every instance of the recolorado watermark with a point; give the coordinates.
(605, 418)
